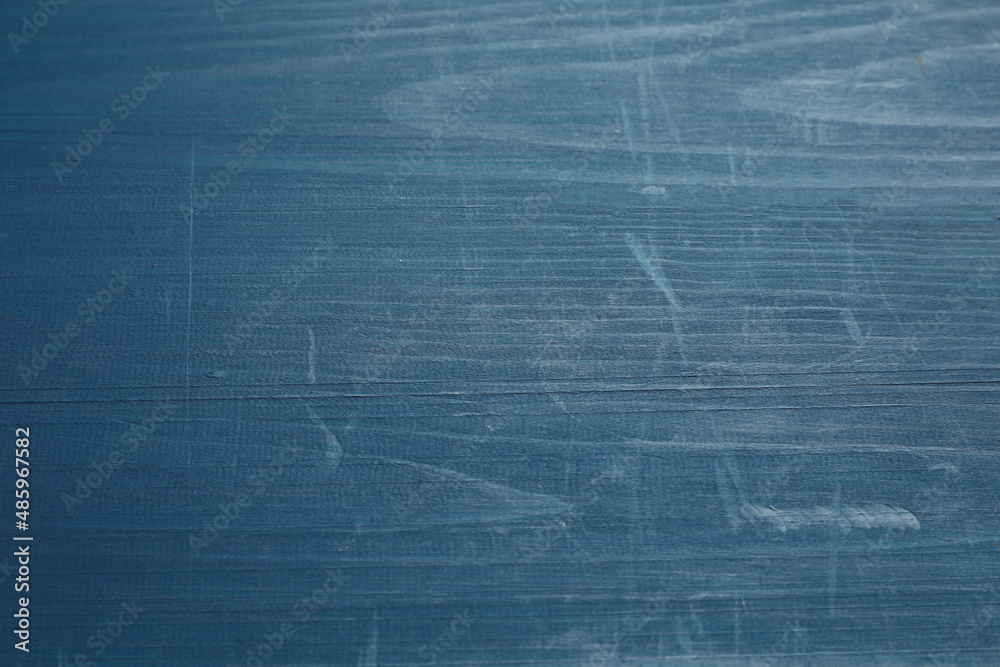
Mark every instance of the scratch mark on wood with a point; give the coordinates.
(628, 130)
(312, 356)
(852, 325)
(187, 336)
(333, 448)
(654, 273)
(369, 656)
(922, 68)
(732, 510)
(831, 579)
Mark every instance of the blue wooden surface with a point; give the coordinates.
(579, 333)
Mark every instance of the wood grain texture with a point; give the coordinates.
(521, 333)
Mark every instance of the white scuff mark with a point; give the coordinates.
(852, 325)
(661, 281)
(881, 84)
(654, 190)
(732, 509)
(846, 519)
(333, 448)
(608, 32)
(654, 273)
